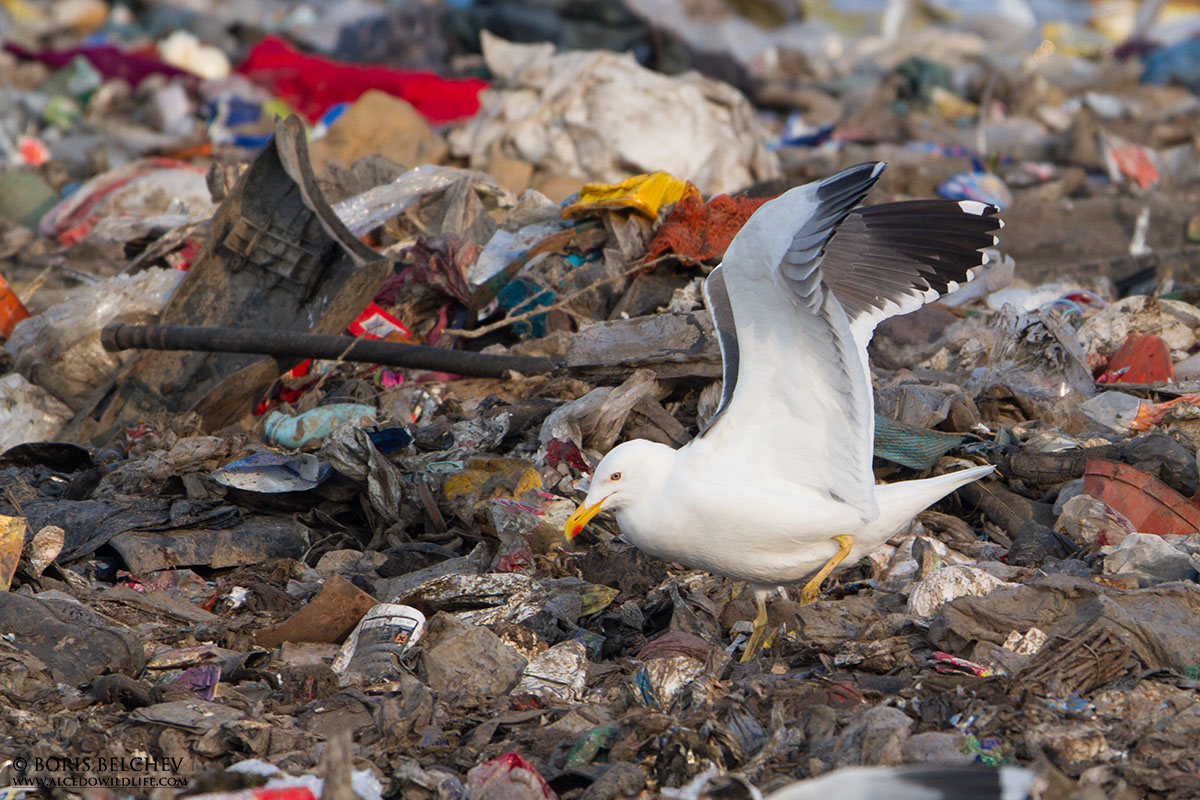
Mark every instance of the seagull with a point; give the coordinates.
(916, 782)
(779, 485)
(909, 782)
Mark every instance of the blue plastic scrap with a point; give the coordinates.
(519, 296)
(1176, 63)
(269, 472)
(917, 448)
(984, 187)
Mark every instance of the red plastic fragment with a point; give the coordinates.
(950, 663)
(560, 450)
(289, 793)
(188, 254)
(519, 561)
(1143, 358)
(1136, 163)
(376, 323)
(1147, 502)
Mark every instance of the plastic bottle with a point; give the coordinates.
(1114, 410)
(295, 432)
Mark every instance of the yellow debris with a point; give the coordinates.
(645, 194)
(951, 106)
(22, 12)
(12, 541)
(493, 477)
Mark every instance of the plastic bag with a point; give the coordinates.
(60, 348)
(28, 413)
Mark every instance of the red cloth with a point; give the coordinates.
(312, 84)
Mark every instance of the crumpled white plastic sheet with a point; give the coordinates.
(601, 116)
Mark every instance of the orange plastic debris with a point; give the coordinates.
(202, 150)
(697, 232)
(12, 310)
(1151, 415)
(1133, 162)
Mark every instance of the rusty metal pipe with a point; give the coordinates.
(285, 344)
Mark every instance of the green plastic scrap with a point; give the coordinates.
(597, 739)
(910, 446)
(595, 597)
(62, 112)
(78, 80)
(921, 76)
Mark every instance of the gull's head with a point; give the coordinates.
(631, 472)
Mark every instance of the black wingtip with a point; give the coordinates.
(853, 180)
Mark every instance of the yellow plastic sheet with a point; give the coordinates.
(645, 194)
(12, 540)
(1117, 20)
(951, 106)
(1072, 40)
(22, 11)
(493, 477)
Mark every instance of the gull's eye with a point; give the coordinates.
(616, 476)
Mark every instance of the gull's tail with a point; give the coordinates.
(900, 502)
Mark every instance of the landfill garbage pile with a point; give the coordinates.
(317, 319)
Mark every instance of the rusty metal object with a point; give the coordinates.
(289, 344)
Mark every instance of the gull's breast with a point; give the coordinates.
(726, 520)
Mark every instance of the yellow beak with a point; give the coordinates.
(582, 516)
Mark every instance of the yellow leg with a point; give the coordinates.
(812, 589)
(760, 627)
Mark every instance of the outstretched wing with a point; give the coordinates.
(894, 258)
(795, 301)
(916, 782)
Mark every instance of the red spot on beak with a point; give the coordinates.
(581, 517)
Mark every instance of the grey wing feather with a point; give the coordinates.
(872, 263)
(836, 197)
(716, 297)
